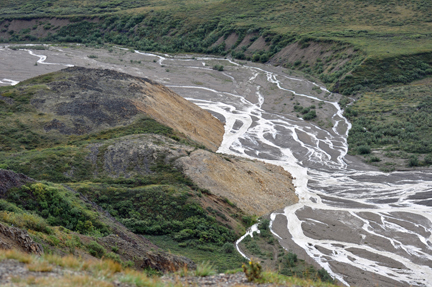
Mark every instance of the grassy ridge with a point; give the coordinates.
(377, 27)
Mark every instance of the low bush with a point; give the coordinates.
(25, 220)
(218, 68)
(364, 149)
(96, 249)
(413, 161)
(252, 270)
(228, 248)
(205, 269)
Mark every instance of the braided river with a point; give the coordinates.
(365, 227)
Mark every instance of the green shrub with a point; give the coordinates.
(232, 204)
(252, 270)
(25, 220)
(291, 259)
(264, 58)
(112, 256)
(8, 206)
(161, 209)
(428, 159)
(256, 57)
(96, 249)
(309, 115)
(249, 220)
(413, 161)
(324, 276)
(228, 248)
(208, 248)
(374, 159)
(205, 269)
(53, 203)
(218, 68)
(364, 149)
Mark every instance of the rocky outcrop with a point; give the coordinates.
(167, 262)
(81, 101)
(11, 237)
(10, 179)
(134, 155)
(143, 256)
(256, 187)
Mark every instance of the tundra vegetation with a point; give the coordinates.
(362, 49)
(378, 53)
(79, 204)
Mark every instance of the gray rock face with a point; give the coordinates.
(11, 237)
(167, 262)
(135, 154)
(138, 251)
(10, 179)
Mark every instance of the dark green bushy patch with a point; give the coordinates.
(58, 206)
(51, 164)
(96, 249)
(307, 113)
(160, 210)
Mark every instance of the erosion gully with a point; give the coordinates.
(365, 227)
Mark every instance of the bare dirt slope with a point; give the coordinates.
(256, 187)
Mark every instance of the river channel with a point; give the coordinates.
(365, 227)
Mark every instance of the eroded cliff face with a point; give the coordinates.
(82, 101)
(255, 187)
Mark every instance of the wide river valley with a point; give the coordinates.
(364, 226)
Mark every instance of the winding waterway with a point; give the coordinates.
(365, 227)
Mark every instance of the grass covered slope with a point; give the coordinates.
(392, 126)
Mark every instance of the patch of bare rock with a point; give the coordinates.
(11, 237)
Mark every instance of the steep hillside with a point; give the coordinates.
(80, 101)
(51, 218)
(326, 38)
(234, 178)
(102, 169)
